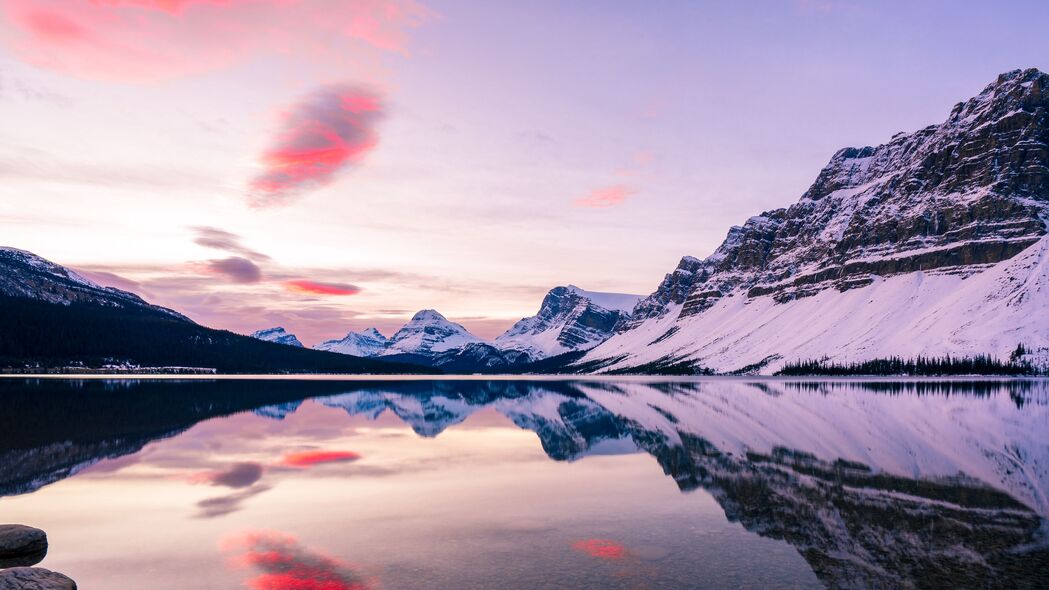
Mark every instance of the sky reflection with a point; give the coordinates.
(529, 484)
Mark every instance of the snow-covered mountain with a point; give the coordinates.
(569, 319)
(24, 274)
(278, 335)
(429, 332)
(934, 243)
(368, 342)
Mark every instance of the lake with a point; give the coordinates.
(336, 484)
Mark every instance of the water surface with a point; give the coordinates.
(712, 483)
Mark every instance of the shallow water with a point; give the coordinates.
(709, 483)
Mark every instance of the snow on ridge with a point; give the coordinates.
(611, 301)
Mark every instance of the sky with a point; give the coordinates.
(333, 165)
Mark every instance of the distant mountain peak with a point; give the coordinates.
(372, 333)
(364, 343)
(428, 315)
(569, 319)
(277, 335)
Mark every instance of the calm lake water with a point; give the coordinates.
(712, 483)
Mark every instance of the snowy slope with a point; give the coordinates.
(364, 343)
(932, 243)
(277, 335)
(921, 313)
(569, 319)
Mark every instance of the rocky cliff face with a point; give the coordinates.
(973, 190)
(569, 319)
(950, 199)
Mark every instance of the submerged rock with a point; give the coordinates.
(34, 578)
(21, 545)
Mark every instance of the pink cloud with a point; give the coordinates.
(327, 131)
(315, 288)
(609, 196)
(285, 564)
(311, 458)
(600, 548)
(148, 40)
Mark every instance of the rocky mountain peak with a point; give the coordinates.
(372, 333)
(429, 332)
(569, 319)
(363, 343)
(428, 316)
(278, 335)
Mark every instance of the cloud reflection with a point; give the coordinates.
(285, 564)
(600, 548)
(238, 475)
(304, 459)
(223, 505)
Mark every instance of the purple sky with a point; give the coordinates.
(332, 165)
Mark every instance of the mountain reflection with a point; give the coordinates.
(876, 484)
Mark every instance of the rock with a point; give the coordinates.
(34, 578)
(21, 545)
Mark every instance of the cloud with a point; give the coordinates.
(236, 269)
(311, 458)
(218, 239)
(317, 288)
(285, 564)
(600, 548)
(238, 475)
(328, 130)
(150, 40)
(609, 196)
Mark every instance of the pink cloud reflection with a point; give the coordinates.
(285, 564)
(600, 548)
(306, 459)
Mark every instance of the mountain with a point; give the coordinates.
(933, 243)
(53, 318)
(569, 319)
(277, 335)
(429, 332)
(364, 343)
(24, 274)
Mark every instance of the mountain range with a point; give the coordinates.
(569, 320)
(934, 244)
